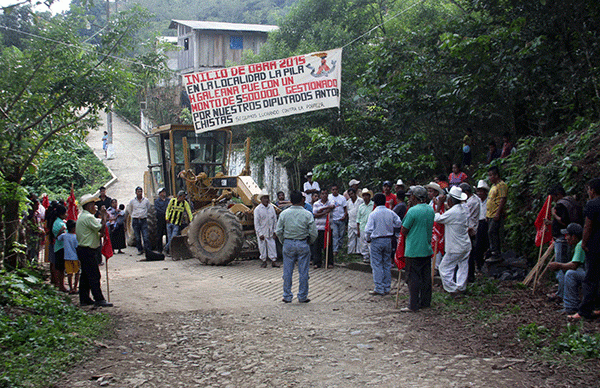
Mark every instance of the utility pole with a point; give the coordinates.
(110, 149)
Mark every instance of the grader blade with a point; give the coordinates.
(180, 249)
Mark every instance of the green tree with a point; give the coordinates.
(55, 87)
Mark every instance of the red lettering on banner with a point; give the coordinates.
(256, 67)
(270, 83)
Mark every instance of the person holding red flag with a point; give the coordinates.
(321, 210)
(72, 211)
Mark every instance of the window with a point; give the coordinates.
(236, 42)
(186, 44)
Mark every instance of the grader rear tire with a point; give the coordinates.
(215, 236)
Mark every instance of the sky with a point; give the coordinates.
(57, 7)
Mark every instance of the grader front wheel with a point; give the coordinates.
(215, 236)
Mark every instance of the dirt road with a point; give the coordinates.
(183, 324)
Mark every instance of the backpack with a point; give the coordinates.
(574, 209)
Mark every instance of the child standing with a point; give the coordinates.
(69, 241)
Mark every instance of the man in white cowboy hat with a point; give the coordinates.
(458, 244)
(310, 187)
(362, 216)
(482, 242)
(265, 223)
(138, 209)
(353, 204)
(88, 231)
(399, 185)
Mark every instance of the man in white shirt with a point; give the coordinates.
(310, 187)
(338, 218)
(265, 222)
(473, 208)
(138, 210)
(458, 244)
(353, 204)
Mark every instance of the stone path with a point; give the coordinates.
(130, 160)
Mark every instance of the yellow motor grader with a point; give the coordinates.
(222, 228)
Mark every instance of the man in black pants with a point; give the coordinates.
(88, 231)
(417, 226)
(591, 245)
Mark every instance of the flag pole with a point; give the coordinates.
(107, 283)
(327, 243)
(542, 242)
(435, 252)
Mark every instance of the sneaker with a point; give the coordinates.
(264, 264)
(286, 301)
(103, 303)
(274, 264)
(304, 300)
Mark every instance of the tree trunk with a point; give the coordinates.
(11, 231)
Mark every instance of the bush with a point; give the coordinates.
(41, 332)
(71, 161)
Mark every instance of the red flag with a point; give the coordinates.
(399, 258)
(438, 235)
(107, 249)
(72, 211)
(327, 233)
(544, 232)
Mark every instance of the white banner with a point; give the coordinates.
(261, 91)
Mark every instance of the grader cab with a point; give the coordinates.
(222, 228)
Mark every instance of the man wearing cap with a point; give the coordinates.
(390, 199)
(175, 215)
(296, 230)
(265, 222)
(362, 216)
(417, 227)
(310, 187)
(353, 204)
(457, 242)
(496, 213)
(353, 184)
(570, 275)
(338, 218)
(382, 225)
(138, 210)
(482, 242)
(160, 204)
(473, 207)
(88, 231)
(399, 185)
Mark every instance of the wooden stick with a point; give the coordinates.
(539, 264)
(435, 252)
(327, 248)
(107, 285)
(398, 286)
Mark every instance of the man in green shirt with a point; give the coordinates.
(417, 228)
(296, 230)
(570, 275)
(88, 231)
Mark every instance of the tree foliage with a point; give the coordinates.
(55, 86)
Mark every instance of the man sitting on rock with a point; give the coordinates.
(570, 275)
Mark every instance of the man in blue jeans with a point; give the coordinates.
(296, 230)
(138, 211)
(174, 216)
(570, 275)
(382, 225)
(338, 218)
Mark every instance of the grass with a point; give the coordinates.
(41, 332)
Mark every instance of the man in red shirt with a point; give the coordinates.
(390, 199)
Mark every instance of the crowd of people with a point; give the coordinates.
(446, 226)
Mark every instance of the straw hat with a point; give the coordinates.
(353, 182)
(263, 193)
(366, 191)
(87, 198)
(434, 186)
(457, 193)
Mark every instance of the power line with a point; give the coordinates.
(131, 61)
(384, 22)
